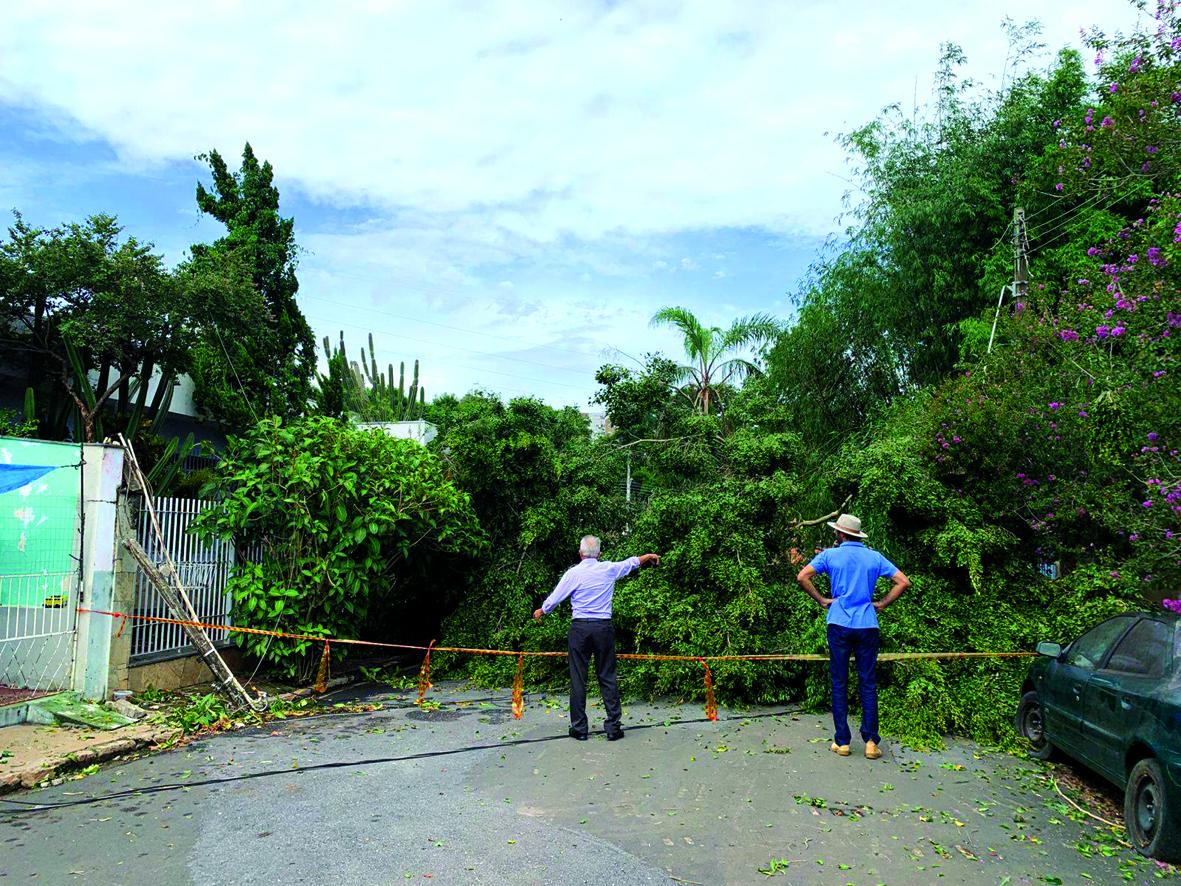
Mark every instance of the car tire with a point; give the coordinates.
(1154, 828)
(1031, 726)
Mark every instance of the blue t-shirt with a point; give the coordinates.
(853, 570)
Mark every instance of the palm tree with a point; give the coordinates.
(707, 348)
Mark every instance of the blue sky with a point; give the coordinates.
(505, 191)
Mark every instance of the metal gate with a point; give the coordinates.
(40, 565)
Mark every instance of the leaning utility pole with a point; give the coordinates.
(1020, 284)
(165, 578)
(1020, 255)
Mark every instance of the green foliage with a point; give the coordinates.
(927, 247)
(341, 516)
(972, 466)
(265, 367)
(203, 713)
(537, 484)
(14, 423)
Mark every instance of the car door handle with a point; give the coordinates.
(1125, 704)
(1099, 681)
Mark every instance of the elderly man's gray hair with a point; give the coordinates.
(589, 546)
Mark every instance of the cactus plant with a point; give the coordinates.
(366, 393)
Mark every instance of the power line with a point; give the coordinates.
(441, 344)
(396, 316)
(1067, 216)
(468, 366)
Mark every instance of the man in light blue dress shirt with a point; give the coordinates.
(591, 586)
(853, 571)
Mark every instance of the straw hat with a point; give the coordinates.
(847, 524)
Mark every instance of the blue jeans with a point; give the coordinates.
(863, 643)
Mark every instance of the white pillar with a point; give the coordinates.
(102, 473)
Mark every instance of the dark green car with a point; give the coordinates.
(1112, 700)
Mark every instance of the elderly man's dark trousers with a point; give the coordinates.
(595, 637)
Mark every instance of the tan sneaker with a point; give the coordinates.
(872, 751)
(841, 750)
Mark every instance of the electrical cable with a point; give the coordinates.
(423, 341)
(29, 808)
(484, 353)
(1066, 216)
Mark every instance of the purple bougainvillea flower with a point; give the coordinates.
(1055, 406)
(1082, 413)
(1068, 335)
(1114, 88)
(1147, 503)
(1117, 331)
(1102, 331)
(1151, 149)
(1172, 605)
(1059, 186)
(1152, 436)
(1106, 121)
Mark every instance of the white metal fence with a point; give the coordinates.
(204, 570)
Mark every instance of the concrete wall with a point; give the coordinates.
(420, 431)
(177, 673)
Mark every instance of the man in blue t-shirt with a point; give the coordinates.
(853, 571)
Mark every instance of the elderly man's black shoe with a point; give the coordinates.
(580, 736)
(615, 736)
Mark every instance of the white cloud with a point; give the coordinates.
(539, 119)
(553, 147)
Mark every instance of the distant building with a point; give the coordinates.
(599, 423)
(422, 432)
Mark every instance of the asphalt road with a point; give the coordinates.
(465, 794)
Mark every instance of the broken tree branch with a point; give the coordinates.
(799, 524)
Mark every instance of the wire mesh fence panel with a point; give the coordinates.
(204, 569)
(40, 577)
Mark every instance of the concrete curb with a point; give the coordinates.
(48, 768)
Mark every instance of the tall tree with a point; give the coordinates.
(712, 352)
(88, 319)
(240, 379)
